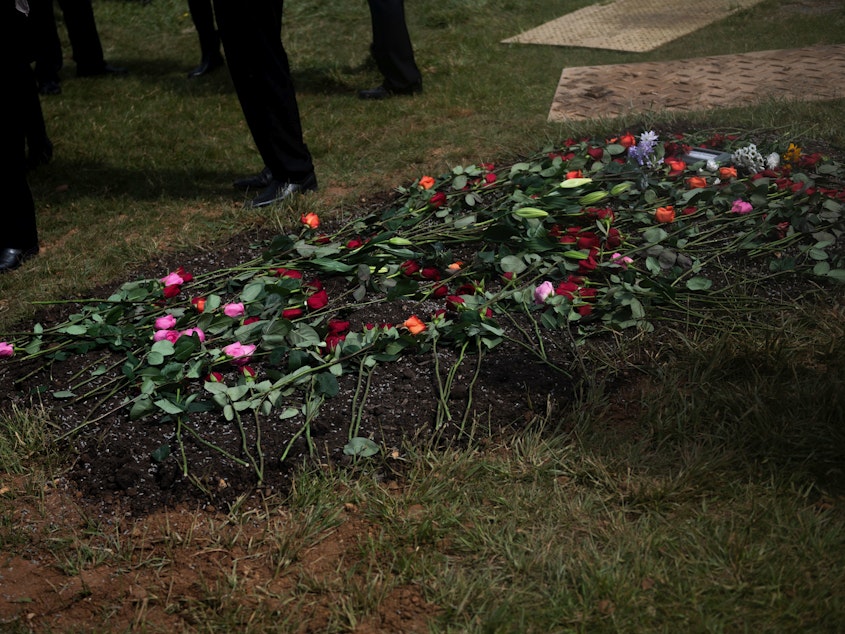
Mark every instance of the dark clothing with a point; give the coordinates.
(82, 33)
(202, 15)
(258, 64)
(18, 209)
(391, 47)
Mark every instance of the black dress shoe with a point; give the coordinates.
(205, 67)
(50, 87)
(279, 191)
(99, 71)
(11, 259)
(258, 181)
(383, 92)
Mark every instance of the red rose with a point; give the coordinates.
(437, 200)
(354, 243)
(489, 178)
(292, 313)
(250, 320)
(441, 290)
(283, 272)
(588, 240)
(198, 303)
(676, 166)
(627, 140)
(172, 290)
(567, 289)
(614, 238)
(338, 326)
(332, 340)
(453, 302)
(409, 267)
(186, 277)
(318, 300)
(430, 273)
(596, 153)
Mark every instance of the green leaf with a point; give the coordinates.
(252, 292)
(332, 266)
(168, 406)
(513, 264)
(327, 384)
(699, 284)
(62, 394)
(160, 454)
(143, 405)
(360, 447)
(837, 274)
(653, 235)
(163, 347)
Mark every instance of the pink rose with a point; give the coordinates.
(542, 292)
(190, 332)
(165, 322)
(621, 260)
(741, 207)
(240, 352)
(172, 279)
(6, 350)
(170, 335)
(234, 310)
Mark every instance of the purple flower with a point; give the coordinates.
(6, 350)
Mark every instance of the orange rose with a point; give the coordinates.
(727, 172)
(310, 220)
(665, 214)
(414, 324)
(574, 174)
(696, 182)
(426, 182)
(455, 266)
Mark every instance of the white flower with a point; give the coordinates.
(749, 158)
(712, 165)
(773, 160)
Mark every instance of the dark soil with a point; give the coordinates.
(112, 458)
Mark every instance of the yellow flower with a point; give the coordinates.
(792, 154)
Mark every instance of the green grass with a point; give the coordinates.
(716, 507)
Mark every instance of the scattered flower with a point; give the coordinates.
(621, 260)
(665, 214)
(543, 291)
(292, 313)
(214, 377)
(234, 310)
(437, 200)
(190, 332)
(427, 182)
(726, 173)
(169, 335)
(240, 353)
(165, 322)
(414, 324)
(198, 303)
(696, 182)
(310, 220)
(318, 300)
(7, 350)
(741, 207)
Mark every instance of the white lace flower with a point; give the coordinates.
(773, 160)
(712, 165)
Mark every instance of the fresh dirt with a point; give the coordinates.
(176, 540)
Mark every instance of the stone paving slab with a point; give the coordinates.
(721, 81)
(630, 25)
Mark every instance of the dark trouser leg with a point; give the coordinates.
(202, 16)
(45, 43)
(17, 214)
(392, 47)
(83, 36)
(258, 65)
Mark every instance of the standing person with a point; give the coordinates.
(19, 236)
(251, 34)
(84, 39)
(392, 50)
(202, 15)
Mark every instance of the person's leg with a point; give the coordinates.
(19, 236)
(391, 47)
(45, 45)
(84, 38)
(202, 15)
(260, 72)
